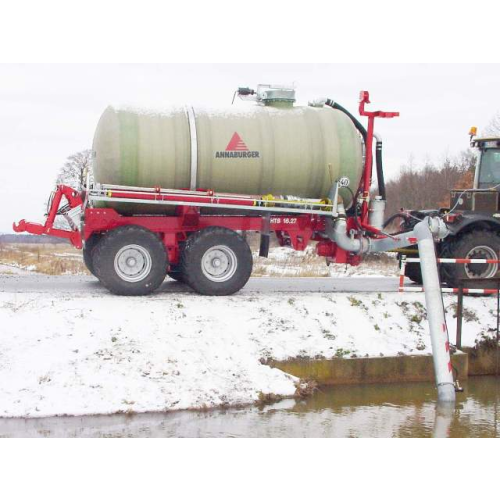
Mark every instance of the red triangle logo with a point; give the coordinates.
(236, 144)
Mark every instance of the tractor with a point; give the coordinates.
(473, 220)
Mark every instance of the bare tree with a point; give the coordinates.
(73, 174)
(427, 186)
(493, 127)
(74, 170)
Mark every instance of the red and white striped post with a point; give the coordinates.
(481, 291)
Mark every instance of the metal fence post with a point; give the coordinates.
(460, 310)
(498, 325)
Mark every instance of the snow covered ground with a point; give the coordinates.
(88, 352)
(9, 269)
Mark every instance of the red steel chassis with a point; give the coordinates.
(296, 227)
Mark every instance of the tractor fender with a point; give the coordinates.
(469, 222)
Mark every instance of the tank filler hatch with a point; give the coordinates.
(271, 94)
(268, 95)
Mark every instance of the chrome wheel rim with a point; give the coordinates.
(133, 263)
(219, 263)
(481, 270)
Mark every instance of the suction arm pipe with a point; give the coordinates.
(424, 234)
(435, 311)
(336, 230)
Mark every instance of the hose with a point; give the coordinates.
(380, 170)
(355, 207)
(357, 123)
(393, 218)
(362, 131)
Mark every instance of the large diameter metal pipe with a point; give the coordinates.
(337, 232)
(435, 312)
(423, 231)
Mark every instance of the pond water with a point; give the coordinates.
(394, 410)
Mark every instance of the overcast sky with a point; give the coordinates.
(48, 112)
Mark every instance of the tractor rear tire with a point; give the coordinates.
(216, 261)
(479, 244)
(413, 272)
(130, 260)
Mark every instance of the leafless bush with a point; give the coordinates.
(427, 186)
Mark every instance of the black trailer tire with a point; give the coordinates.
(413, 272)
(130, 260)
(88, 259)
(479, 244)
(176, 274)
(175, 271)
(216, 261)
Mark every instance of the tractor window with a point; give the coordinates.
(489, 174)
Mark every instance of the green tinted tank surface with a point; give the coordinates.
(295, 151)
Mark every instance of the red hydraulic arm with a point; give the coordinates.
(74, 200)
(364, 98)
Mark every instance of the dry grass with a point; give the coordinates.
(282, 262)
(296, 264)
(42, 258)
(285, 262)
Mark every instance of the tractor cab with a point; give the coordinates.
(485, 196)
(488, 171)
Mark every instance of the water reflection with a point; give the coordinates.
(443, 420)
(408, 410)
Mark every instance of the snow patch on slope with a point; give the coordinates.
(98, 354)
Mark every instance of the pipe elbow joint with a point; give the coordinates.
(338, 234)
(433, 225)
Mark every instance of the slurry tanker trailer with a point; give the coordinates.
(173, 190)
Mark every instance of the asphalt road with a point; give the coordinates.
(38, 283)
